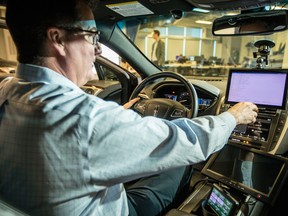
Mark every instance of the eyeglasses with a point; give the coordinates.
(92, 37)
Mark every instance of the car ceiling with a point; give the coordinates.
(106, 9)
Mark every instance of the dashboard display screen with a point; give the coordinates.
(264, 87)
(220, 203)
(171, 96)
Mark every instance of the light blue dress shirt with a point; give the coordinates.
(65, 152)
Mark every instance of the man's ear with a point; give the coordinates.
(55, 37)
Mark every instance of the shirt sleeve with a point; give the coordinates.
(128, 146)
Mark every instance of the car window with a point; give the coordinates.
(192, 50)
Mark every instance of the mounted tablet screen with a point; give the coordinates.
(264, 87)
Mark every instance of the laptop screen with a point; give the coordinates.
(264, 87)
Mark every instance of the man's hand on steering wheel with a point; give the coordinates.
(130, 103)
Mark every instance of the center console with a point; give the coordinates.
(236, 181)
(267, 88)
(268, 133)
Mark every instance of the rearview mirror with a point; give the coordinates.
(251, 23)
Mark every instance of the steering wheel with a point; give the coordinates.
(164, 107)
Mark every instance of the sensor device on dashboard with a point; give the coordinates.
(266, 88)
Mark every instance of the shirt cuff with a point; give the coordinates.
(229, 119)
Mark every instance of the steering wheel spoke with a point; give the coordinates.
(140, 107)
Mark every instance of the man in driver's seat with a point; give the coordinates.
(65, 152)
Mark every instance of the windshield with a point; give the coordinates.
(184, 45)
(191, 49)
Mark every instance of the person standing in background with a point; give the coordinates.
(158, 49)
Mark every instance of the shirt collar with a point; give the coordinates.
(35, 73)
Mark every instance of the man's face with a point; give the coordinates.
(154, 36)
(82, 48)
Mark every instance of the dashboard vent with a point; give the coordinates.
(91, 90)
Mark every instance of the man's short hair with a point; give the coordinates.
(28, 21)
(157, 32)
